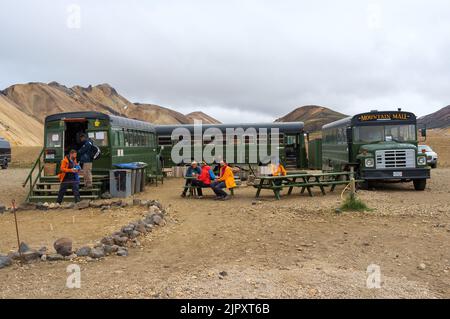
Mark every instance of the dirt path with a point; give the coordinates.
(298, 247)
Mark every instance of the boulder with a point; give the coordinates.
(96, 204)
(154, 210)
(42, 251)
(107, 240)
(55, 257)
(109, 249)
(63, 246)
(2, 208)
(68, 206)
(136, 202)
(120, 241)
(97, 252)
(5, 261)
(141, 228)
(84, 251)
(30, 255)
(122, 253)
(42, 206)
(71, 257)
(134, 234)
(83, 204)
(105, 207)
(23, 247)
(27, 206)
(154, 219)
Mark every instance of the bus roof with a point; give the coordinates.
(115, 120)
(374, 118)
(286, 127)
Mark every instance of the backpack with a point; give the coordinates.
(95, 151)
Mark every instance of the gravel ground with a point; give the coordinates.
(298, 247)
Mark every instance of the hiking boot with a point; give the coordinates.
(225, 197)
(183, 195)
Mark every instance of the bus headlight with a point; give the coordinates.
(369, 162)
(422, 160)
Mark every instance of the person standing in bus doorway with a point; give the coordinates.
(68, 177)
(225, 180)
(87, 153)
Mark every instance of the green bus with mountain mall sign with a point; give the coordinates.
(381, 146)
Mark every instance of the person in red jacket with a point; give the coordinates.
(204, 179)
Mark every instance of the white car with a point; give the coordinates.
(432, 157)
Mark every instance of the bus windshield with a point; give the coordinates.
(398, 133)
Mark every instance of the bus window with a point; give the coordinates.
(99, 138)
(54, 139)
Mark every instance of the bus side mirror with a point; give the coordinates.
(423, 132)
(349, 133)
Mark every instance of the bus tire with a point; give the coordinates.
(434, 165)
(420, 184)
(5, 165)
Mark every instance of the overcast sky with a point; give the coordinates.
(239, 61)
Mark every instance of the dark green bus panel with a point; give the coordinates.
(382, 146)
(121, 140)
(291, 142)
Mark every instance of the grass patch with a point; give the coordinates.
(353, 203)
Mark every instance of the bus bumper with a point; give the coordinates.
(395, 174)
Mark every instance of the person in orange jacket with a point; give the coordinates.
(277, 169)
(225, 180)
(68, 177)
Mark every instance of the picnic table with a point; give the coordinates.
(305, 181)
(192, 189)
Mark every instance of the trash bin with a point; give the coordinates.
(137, 178)
(120, 183)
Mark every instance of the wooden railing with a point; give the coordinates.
(37, 167)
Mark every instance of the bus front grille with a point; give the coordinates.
(395, 158)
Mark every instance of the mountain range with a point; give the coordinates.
(23, 108)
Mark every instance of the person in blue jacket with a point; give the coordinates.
(193, 170)
(87, 153)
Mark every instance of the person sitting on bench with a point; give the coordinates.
(277, 169)
(225, 180)
(193, 171)
(204, 179)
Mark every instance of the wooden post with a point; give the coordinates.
(17, 231)
(352, 182)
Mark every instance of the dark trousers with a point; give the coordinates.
(218, 189)
(186, 185)
(74, 185)
(199, 185)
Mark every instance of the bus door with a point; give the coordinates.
(73, 129)
(291, 150)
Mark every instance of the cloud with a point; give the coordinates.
(241, 60)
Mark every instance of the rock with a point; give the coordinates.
(141, 228)
(14, 255)
(52, 206)
(83, 204)
(106, 195)
(44, 257)
(42, 206)
(30, 255)
(120, 241)
(23, 247)
(68, 206)
(156, 203)
(27, 206)
(123, 204)
(71, 257)
(107, 240)
(127, 229)
(122, 253)
(154, 210)
(154, 219)
(223, 273)
(104, 208)
(116, 203)
(55, 257)
(109, 249)
(2, 208)
(136, 202)
(42, 251)
(84, 251)
(134, 234)
(98, 252)
(421, 266)
(63, 246)
(95, 204)
(5, 261)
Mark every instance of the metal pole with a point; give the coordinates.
(17, 230)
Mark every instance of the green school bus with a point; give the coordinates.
(121, 140)
(291, 142)
(381, 146)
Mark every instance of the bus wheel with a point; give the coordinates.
(5, 166)
(419, 184)
(366, 185)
